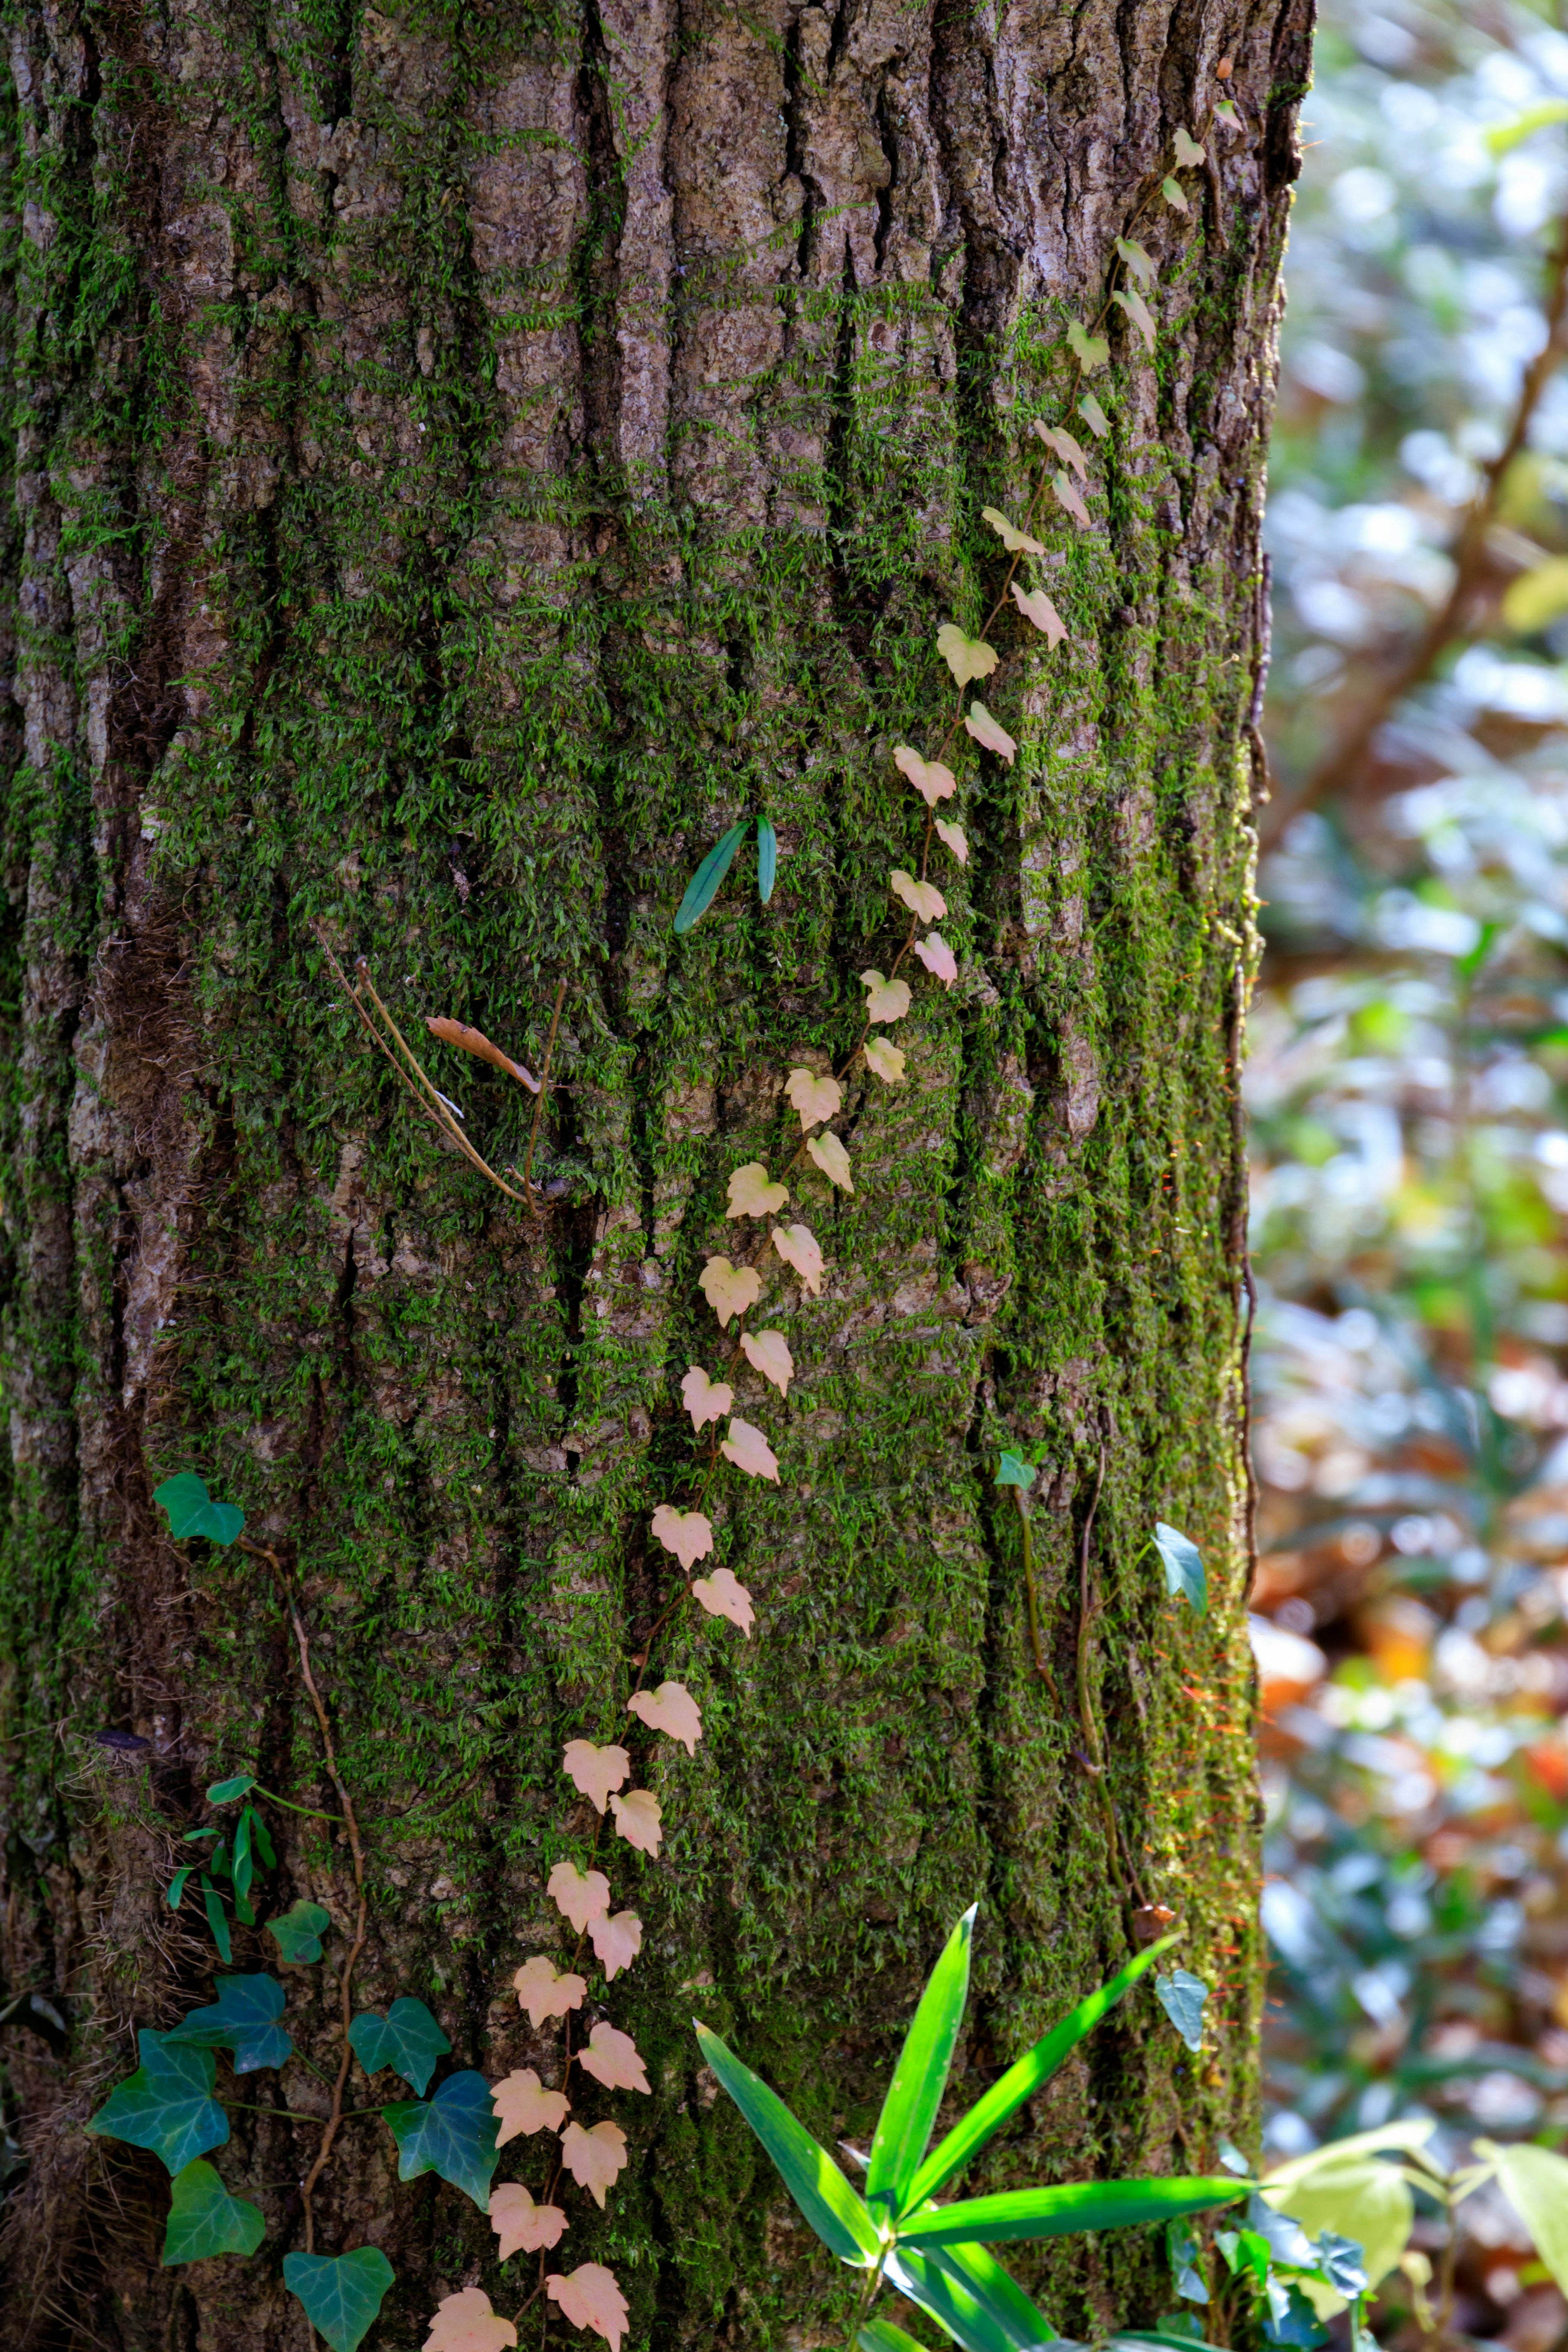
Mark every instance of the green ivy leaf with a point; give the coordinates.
(243, 2019)
(341, 2294)
(1014, 1471)
(192, 1512)
(1184, 1578)
(1182, 1996)
(166, 2105)
(453, 2134)
(206, 2220)
(1090, 351)
(406, 2039)
(1094, 416)
(298, 1931)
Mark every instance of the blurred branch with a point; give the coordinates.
(1457, 616)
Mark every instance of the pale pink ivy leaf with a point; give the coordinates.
(986, 731)
(800, 1249)
(1059, 440)
(956, 840)
(728, 1289)
(689, 1534)
(1016, 542)
(590, 2298)
(966, 658)
(929, 778)
(885, 1058)
(614, 2059)
(768, 1353)
(583, 1896)
(670, 1709)
(1189, 154)
(1067, 498)
(1037, 607)
(723, 1596)
(465, 2322)
(523, 2104)
(887, 1000)
(705, 1400)
(546, 1991)
(832, 1159)
(1138, 311)
(638, 1820)
(523, 2227)
(751, 1193)
(1173, 194)
(594, 2159)
(1094, 416)
(937, 956)
(749, 1450)
(596, 1771)
(922, 898)
(617, 1942)
(1138, 262)
(815, 1098)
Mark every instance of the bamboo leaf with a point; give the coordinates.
(703, 886)
(960, 2306)
(977, 2269)
(768, 859)
(835, 2211)
(1056, 2212)
(919, 2078)
(881, 2336)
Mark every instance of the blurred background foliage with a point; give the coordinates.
(1408, 1088)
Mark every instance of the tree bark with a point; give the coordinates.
(462, 461)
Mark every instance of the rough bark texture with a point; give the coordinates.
(459, 461)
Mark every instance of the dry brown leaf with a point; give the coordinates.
(886, 1000)
(957, 839)
(922, 898)
(929, 778)
(544, 1992)
(670, 1709)
(832, 1159)
(1069, 500)
(1064, 445)
(728, 1289)
(583, 1896)
(522, 2226)
(614, 2059)
(749, 1450)
(815, 1098)
(596, 1771)
(594, 2159)
(978, 722)
(1037, 607)
(475, 1042)
(523, 2104)
(1016, 542)
(723, 1596)
(688, 1534)
(800, 1249)
(617, 1941)
(768, 1353)
(589, 2297)
(966, 658)
(937, 956)
(705, 1400)
(751, 1193)
(885, 1058)
(464, 2323)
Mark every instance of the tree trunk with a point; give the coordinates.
(464, 461)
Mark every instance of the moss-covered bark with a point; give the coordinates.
(459, 459)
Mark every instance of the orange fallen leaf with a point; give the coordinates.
(1068, 498)
(523, 2104)
(594, 2159)
(832, 1159)
(583, 1896)
(966, 658)
(751, 1193)
(749, 1450)
(544, 1992)
(1055, 438)
(589, 2297)
(929, 778)
(464, 2323)
(1037, 607)
(638, 1820)
(886, 1000)
(800, 1249)
(475, 1042)
(522, 2226)
(815, 1098)
(670, 1709)
(728, 1289)
(723, 1596)
(705, 1400)
(957, 839)
(1016, 542)
(688, 1534)
(937, 956)
(979, 723)
(596, 1771)
(768, 1353)
(922, 898)
(617, 1941)
(614, 2059)
(885, 1059)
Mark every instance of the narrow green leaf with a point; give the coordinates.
(958, 2307)
(243, 2019)
(1023, 2080)
(454, 2135)
(262, 1839)
(703, 886)
(977, 2269)
(166, 2105)
(1056, 2212)
(341, 2294)
(835, 2211)
(178, 1884)
(881, 2336)
(919, 2078)
(406, 2039)
(298, 1931)
(1535, 2183)
(223, 1792)
(204, 2219)
(768, 859)
(244, 1868)
(215, 1919)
